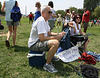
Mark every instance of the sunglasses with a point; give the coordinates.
(36, 4)
(49, 12)
(78, 17)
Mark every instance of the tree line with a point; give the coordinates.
(92, 5)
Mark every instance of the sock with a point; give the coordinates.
(46, 64)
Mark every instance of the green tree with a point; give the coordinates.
(73, 9)
(60, 11)
(96, 13)
(91, 4)
(80, 11)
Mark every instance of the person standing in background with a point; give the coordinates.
(72, 15)
(53, 15)
(59, 20)
(67, 16)
(85, 19)
(30, 17)
(38, 10)
(7, 6)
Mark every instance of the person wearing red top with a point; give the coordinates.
(85, 19)
(30, 17)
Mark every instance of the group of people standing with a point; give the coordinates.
(41, 37)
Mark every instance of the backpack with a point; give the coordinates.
(96, 56)
(89, 71)
(88, 58)
(15, 13)
(65, 41)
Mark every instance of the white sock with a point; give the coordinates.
(46, 64)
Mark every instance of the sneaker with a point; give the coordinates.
(7, 43)
(50, 68)
(55, 58)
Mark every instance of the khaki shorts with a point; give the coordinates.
(10, 23)
(85, 25)
(40, 46)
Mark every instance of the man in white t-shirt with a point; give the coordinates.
(42, 39)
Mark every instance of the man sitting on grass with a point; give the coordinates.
(42, 39)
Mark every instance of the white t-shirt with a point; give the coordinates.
(77, 30)
(39, 26)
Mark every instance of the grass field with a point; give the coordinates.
(14, 62)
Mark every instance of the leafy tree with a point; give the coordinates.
(96, 12)
(91, 4)
(73, 9)
(80, 11)
(60, 11)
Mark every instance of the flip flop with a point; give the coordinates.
(7, 43)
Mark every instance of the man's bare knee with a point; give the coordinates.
(54, 43)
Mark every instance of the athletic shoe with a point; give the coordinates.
(50, 68)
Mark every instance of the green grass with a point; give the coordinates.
(14, 62)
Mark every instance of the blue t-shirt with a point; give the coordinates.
(37, 15)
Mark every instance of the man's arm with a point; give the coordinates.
(58, 37)
(2, 8)
(52, 33)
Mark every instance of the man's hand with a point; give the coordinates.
(61, 35)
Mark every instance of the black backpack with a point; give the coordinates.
(87, 71)
(15, 13)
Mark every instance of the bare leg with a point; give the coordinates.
(53, 45)
(85, 45)
(57, 24)
(14, 35)
(9, 32)
(85, 30)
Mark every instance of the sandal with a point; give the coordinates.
(7, 43)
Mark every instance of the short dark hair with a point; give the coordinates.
(74, 19)
(50, 4)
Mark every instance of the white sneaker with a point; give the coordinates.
(50, 68)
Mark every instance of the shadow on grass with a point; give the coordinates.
(64, 69)
(21, 48)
